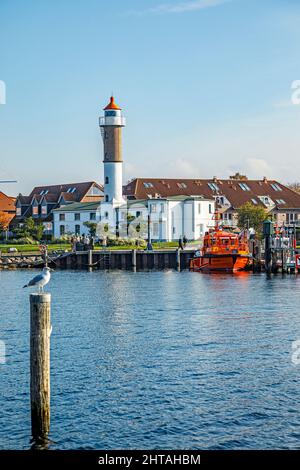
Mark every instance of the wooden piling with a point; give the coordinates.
(178, 260)
(40, 330)
(133, 260)
(90, 258)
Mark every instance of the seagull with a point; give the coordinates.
(40, 280)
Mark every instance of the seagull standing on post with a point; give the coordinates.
(40, 280)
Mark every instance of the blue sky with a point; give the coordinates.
(205, 86)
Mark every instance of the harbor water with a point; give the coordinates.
(160, 360)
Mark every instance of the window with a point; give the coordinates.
(44, 192)
(162, 208)
(209, 209)
(220, 200)
(213, 186)
(110, 113)
(44, 210)
(244, 186)
(92, 215)
(18, 211)
(77, 216)
(148, 185)
(106, 180)
(138, 213)
(106, 198)
(254, 201)
(106, 215)
(62, 217)
(71, 190)
(153, 208)
(199, 208)
(62, 230)
(181, 185)
(35, 210)
(280, 201)
(155, 229)
(276, 187)
(77, 229)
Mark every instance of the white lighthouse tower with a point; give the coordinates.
(111, 130)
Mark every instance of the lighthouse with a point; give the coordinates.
(111, 130)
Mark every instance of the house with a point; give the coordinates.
(229, 194)
(70, 219)
(170, 218)
(7, 205)
(44, 199)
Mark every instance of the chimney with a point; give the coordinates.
(265, 179)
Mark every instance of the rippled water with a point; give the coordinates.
(157, 360)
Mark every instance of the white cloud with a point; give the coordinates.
(183, 7)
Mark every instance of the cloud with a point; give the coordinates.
(182, 7)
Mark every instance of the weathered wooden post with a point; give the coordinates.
(90, 259)
(178, 260)
(133, 260)
(40, 331)
(268, 231)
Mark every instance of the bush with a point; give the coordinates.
(126, 242)
(22, 241)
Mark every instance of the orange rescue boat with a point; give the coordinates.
(222, 251)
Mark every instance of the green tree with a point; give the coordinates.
(92, 228)
(30, 230)
(252, 216)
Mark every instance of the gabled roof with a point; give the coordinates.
(7, 203)
(143, 188)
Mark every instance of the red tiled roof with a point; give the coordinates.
(143, 188)
(7, 203)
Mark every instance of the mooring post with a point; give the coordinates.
(40, 331)
(268, 230)
(178, 260)
(90, 258)
(133, 260)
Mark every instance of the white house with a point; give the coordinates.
(169, 219)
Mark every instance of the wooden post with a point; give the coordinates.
(178, 260)
(90, 258)
(133, 260)
(40, 331)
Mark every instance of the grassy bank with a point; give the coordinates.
(67, 246)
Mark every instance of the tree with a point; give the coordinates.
(92, 228)
(5, 219)
(294, 186)
(30, 230)
(252, 216)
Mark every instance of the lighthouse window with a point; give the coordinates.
(110, 113)
(106, 179)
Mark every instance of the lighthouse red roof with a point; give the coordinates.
(112, 104)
